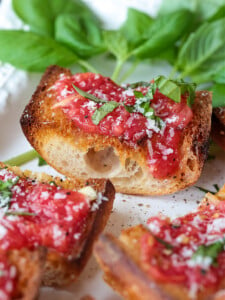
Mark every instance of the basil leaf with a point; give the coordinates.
(104, 110)
(219, 14)
(219, 77)
(40, 15)
(88, 96)
(5, 191)
(164, 243)
(203, 9)
(168, 88)
(117, 44)
(218, 91)
(134, 28)
(80, 33)
(204, 50)
(211, 251)
(29, 51)
(163, 33)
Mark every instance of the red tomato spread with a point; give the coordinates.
(38, 214)
(132, 128)
(171, 249)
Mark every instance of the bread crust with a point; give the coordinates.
(218, 126)
(124, 271)
(47, 130)
(58, 269)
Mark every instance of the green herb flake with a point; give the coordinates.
(161, 241)
(168, 88)
(88, 96)
(5, 191)
(212, 251)
(19, 213)
(104, 110)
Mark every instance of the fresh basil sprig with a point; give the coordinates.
(211, 251)
(5, 191)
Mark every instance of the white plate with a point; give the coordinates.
(128, 210)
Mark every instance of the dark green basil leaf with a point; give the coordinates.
(88, 96)
(40, 15)
(104, 110)
(204, 51)
(134, 28)
(163, 33)
(168, 88)
(219, 14)
(32, 52)
(117, 44)
(80, 33)
(219, 77)
(218, 91)
(211, 251)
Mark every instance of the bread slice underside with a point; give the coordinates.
(60, 270)
(74, 152)
(125, 271)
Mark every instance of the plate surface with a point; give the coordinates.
(128, 210)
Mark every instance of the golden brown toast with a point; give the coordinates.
(75, 153)
(59, 269)
(125, 271)
(29, 268)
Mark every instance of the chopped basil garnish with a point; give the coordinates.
(170, 88)
(212, 251)
(104, 110)
(88, 96)
(19, 213)
(208, 191)
(5, 191)
(161, 241)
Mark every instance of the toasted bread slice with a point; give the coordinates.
(73, 152)
(60, 269)
(125, 270)
(218, 126)
(29, 266)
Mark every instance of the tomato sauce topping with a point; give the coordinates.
(132, 128)
(38, 214)
(178, 252)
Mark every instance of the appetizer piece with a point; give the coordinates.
(218, 126)
(86, 125)
(64, 217)
(179, 259)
